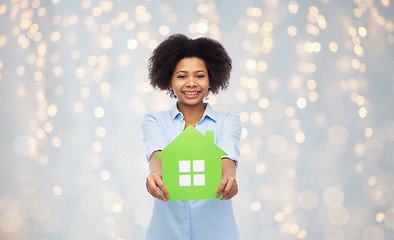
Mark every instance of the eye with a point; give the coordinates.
(181, 76)
(200, 76)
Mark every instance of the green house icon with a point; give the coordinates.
(192, 165)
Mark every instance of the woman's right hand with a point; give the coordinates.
(156, 187)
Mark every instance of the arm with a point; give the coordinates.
(154, 142)
(154, 182)
(229, 142)
(228, 186)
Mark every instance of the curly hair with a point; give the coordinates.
(176, 47)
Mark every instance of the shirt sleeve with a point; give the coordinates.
(230, 136)
(152, 135)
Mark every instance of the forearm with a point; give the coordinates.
(228, 186)
(229, 168)
(154, 182)
(155, 164)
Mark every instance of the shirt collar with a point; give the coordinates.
(209, 112)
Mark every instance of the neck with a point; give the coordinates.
(192, 114)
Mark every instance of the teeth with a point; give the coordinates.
(191, 93)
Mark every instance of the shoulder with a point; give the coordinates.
(227, 117)
(160, 118)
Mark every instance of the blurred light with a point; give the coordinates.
(52, 110)
(338, 216)
(99, 112)
(279, 217)
(302, 234)
(100, 131)
(277, 144)
(293, 7)
(10, 221)
(253, 27)
(21, 91)
(292, 31)
(362, 31)
(368, 132)
(56, 142)
(333, 197)
(244, 116)
(389, 218)
(294, 229)
(254, 12)
(75, 54)
(313, 96)
(301, 103)
(256, 118)
(117, 208)
(85, 92)
(251, 64)
(290, 111)
(385, 3)
(3, 9)
(338, 134)
(261, 168)
(106, 42)
(142, 215)
(300, 137)
(57, 190)
(80, 72)
(380, 217)
(273, 85)
(255, 206)
(97, 146)
(373, 233)
(362, 112)
(164, 30)
(313, 10)
(132, 44)
(79, 107)
(309, 199)
(143, 36)
(48, 127)
(244, 133)
(105, 175)
(241, 95)
(129, 25)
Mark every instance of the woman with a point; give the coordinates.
(189, 70)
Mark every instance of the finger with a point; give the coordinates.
(159, 195)
(232, 193)
(231, 189)
(228, 187)
(154, 185)
(221, 187)
(163, 189)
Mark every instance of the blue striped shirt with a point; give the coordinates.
(192, 219)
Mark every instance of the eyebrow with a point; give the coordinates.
(182, 71)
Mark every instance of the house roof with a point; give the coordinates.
(192, 143)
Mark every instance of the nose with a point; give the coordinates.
(191, 81)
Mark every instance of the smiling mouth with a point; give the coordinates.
(191, 93)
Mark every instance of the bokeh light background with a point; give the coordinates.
(313, 83)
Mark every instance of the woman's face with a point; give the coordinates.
(190, 81)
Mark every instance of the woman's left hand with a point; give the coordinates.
(229, 185)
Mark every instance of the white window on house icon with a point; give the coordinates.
(192, 169)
